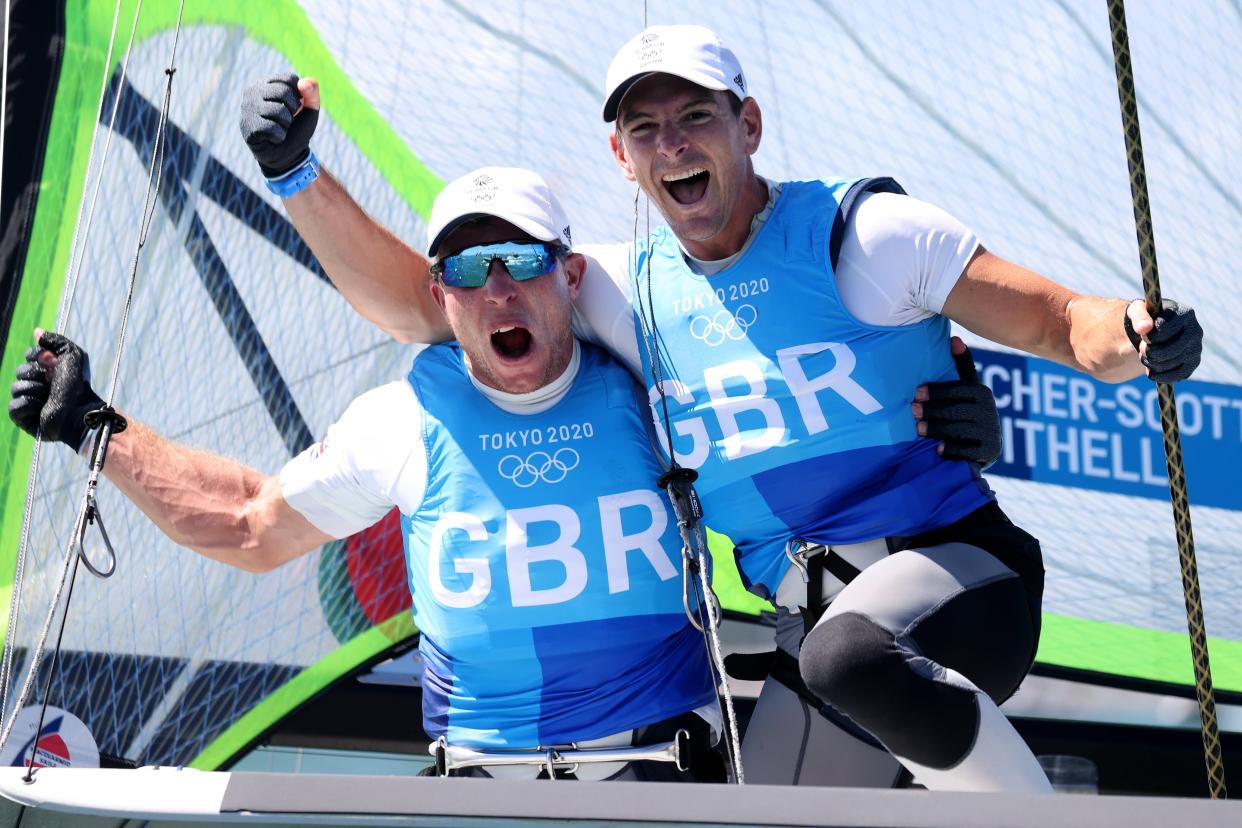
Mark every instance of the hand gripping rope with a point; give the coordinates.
(1168, 408)
(105, 421)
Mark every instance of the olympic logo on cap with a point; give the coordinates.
(539, 467)
(483, 188)
(715, 330)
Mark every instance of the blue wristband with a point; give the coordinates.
(297, 179)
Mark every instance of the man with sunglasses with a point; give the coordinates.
(544, 559)
(383, 279)
(796, 426)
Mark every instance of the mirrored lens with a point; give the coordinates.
(470, 267)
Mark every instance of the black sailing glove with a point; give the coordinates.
(1174, 346)
(55, 398)
(962, 413)
(279, 139)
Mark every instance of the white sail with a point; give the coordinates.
(1005, 115)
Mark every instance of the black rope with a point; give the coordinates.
(51, 676)
(1168, 409)
(678, 481)
(651, 334)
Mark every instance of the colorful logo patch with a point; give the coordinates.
(64, 741)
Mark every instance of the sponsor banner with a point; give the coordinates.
(63, 742)
(1061, 426)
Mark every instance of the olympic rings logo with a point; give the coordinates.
(715, 330)
(539, 467)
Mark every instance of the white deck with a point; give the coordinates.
(167, 794)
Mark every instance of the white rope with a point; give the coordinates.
(153, 182)
(36, 656)
(74, 271)
(61, 317)
(154, 176)
(711, 631)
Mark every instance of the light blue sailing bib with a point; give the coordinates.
(545, 565)
(796, 415)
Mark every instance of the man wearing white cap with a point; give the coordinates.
(799, 320)
(543, 558)
(851, 285)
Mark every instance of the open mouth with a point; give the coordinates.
(511, 342)
(688, 186)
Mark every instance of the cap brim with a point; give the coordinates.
(529, 228)
(613, 103)
(449, 228)
(614, 100)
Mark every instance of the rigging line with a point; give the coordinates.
(36, 654)
(62, 320)
(693, 549)
(154, 176)
(96, 466)
(651, 334)
(654, 348)
(691, 530)
(82, 232)
(51, 673)
(136, 123)
(734, 741)
(1209, 729)
(709, 612)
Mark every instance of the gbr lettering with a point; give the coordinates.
(755, 399)
(519, 554)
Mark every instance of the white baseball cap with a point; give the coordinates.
(515, 195)
(691, 52)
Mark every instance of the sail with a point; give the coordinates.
(1005, 116)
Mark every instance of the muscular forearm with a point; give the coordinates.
(383, 278)
(1014, 306)
(218, 507)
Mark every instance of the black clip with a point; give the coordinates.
(107, 421)
(94, 517)
(441, 757)
(679, 481)
(94, 419)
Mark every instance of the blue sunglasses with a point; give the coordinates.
(523, 260)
